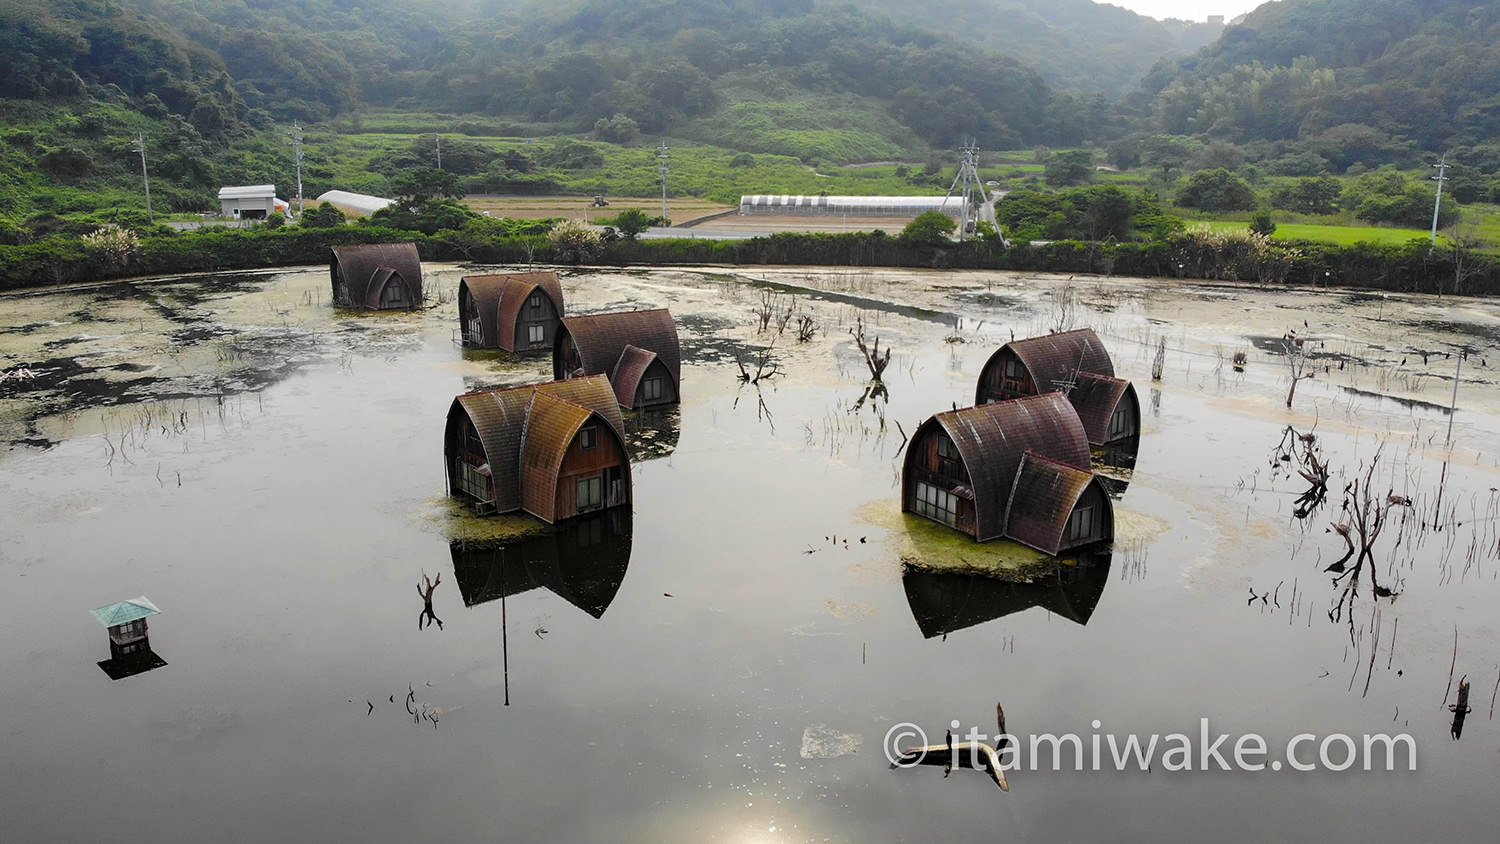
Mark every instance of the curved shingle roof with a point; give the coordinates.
(500, 418)
(1095, 397)
(628, 372)
(551, 425)
(601, 339)
(992, 438)
(1043, 498)
(368, 267)
(1056, 356)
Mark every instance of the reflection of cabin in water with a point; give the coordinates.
(517, 312)
(582, 562)
(638, 350)
(943, 602)
(1075, 362)
(129, 644)
(376, 276)
(555, 450)
(1015, 469)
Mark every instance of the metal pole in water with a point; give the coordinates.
(1453, 406)
(504, 632)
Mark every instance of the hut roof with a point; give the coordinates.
(992, 438)
(1044, 495)
(518, 289)
(1095, 397)
(551, 425)
(1056, 356)
(125, 612)
(601, 338)
(631, 367)
(247, 192)
(499, 418)
(368, 266)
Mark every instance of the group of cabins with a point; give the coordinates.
(1017, 465)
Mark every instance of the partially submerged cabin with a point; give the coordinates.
(376, 276)
(1074, 362)
(637, 350)
(1015, 469)
(555, 450)
(517, 312)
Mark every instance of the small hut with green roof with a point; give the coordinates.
(126, 623)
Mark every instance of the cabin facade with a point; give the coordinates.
(555, 450)
(637, 350)
(1075, 362)
(376, 276)
(1015, 469)
(518, 312)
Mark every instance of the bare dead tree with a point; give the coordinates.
(1160, 362)
(1296, 361)
(806, 328)
(765, 367)
(1298, 452)
(873, 359)
(427, 617)
(1366, 514)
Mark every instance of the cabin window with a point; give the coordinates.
(536, 333)
(937, 504)
(536, 301)
(474, 327)
(1013, 368)
(1081, 524)
(471, 481)
(590, 532)
(588, 437)
(393, 294)
(948, 459)
(1118, 422)
(651, 389)
(590, 493)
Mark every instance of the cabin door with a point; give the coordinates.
(614, 484)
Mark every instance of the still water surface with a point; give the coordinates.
(269, 472)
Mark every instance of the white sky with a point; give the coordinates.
(1192, 10)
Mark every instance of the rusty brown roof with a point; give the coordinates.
(991, 439)
(1042, 499)
(368, 267)
(601, 339)
(1095, 397)
(513, 296)
(551, 425)
(1056, 356)
(499, 417)
(631, 367)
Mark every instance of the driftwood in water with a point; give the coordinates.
(963, 754)
(1461, 709)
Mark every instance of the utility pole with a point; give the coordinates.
(140, 149)
(661, 156)
(1442, 167)
(977, 205)
(439, 150)
(296, 142)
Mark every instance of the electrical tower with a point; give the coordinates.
(977, 205)
(1442, 167)
(140, 149)
(661, 157)
(296, 142)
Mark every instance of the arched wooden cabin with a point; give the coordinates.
(1073, 360)
(638, 350)
(376, 276)
(517, 312)
(1041, 364)
(1014, 469)
(555, 450)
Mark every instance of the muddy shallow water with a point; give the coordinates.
(726, 665)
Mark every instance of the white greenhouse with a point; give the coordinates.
(852, 206)
(355, 204)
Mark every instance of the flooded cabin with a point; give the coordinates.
(637, 350)
(1041, 364)
(376, 276)
(1108, 407)
(1075, 363)
(517, 312)
(942, 603)
(129, 643)
(1015, 469)
(555, 450)
(583, 562)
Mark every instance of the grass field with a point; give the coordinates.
(1341, 235)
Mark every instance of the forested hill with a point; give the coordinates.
(1371, 72)
(687, 66)
(1075, 45)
